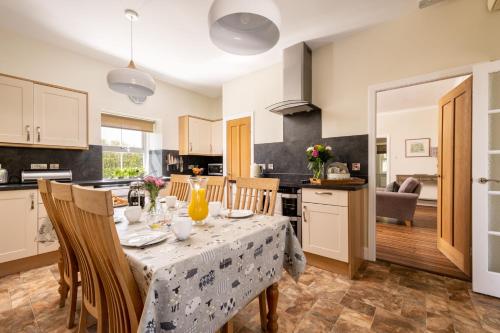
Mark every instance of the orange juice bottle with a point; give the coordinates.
(198, 207)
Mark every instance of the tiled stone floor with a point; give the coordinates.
(383, 298)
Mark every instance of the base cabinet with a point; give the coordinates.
(18, 224)
(325, 230)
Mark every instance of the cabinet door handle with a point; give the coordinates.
(323, 193)
(32, 196)
(210, 148)
(305, 214)
(190, 146)
(38, 133)
(28, 136)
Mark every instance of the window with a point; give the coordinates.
(124, 152)
(124, 146)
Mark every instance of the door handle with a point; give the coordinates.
(38, 133)
(32, 196)
(190, 146)
(28, 136)
(305, 214)
(483, 180)
(323, 193)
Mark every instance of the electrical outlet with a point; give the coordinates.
(262, 166)
(356, 167)
(38, 166)
(54, 166)
(270, 166)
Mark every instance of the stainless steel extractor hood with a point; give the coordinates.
(297, 81)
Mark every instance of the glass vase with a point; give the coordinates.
(319, 170)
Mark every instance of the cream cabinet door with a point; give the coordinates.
(217, 137)
(325, 230)
(18, 225)
(16, 110)
(60, 117)
(200, 136)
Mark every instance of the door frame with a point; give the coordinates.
(225, 119)
(370, 251)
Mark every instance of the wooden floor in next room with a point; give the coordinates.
(414, 246)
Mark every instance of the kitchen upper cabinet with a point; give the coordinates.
(60, 117)
(196, 136)
(35, 114)
(16, 108)
(217, 137)
(18, 224)
(324, 230)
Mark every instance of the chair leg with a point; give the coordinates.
(408, 223)
(263, 310)
(82, 325)
(228, 327)
(63, 287)
(73, 294)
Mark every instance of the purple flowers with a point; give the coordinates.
(152, 181)
(317, 156)
(315, 153)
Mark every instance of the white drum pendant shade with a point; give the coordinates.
(131, 82)
(244, 27)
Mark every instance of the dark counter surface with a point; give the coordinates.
(97, 183)
(336, 187)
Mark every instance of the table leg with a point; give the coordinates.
(272, 294)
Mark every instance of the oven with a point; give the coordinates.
(215, 169)
(291, 206)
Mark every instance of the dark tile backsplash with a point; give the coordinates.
(301, 131)
(187, 162)
(85, 164)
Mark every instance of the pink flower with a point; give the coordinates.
(315, 153)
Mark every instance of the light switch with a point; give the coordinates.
(270, 166)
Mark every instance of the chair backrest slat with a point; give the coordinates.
(215, 188)
(92, 291)
(257, 194)
(94, 208)
(178, 186)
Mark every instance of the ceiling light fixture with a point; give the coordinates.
(244, 27)
(129, 80)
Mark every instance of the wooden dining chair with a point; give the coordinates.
(178, 186)
(68, 264)
(215, 188)
(258, 195)
(93, 299)
(94, 209)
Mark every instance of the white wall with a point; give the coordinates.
(251, 94)
(28, 58)
(410, 124)
(450, 34)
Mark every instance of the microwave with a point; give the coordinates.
(215, 169)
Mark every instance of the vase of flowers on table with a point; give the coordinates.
(153, 185)
(317, 156)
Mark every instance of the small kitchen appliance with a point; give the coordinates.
(215, 169)
(31, 176)
(4, 176)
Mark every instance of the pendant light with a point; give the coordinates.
(244, 27)
(129, 80)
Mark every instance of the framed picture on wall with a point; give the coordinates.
(418, 147)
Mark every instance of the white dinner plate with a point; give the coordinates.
(239, 213)
(143, 239)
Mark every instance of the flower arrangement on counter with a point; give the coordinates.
(317, 156)
(153, 185)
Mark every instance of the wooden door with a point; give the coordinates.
(325, 231)
(16, 110)
(60, 117)
(238, 141)
(455, 170)
(18, 225)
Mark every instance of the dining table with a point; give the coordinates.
(199, 284)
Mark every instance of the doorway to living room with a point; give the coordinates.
(417, 132)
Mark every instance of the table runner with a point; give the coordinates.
(197, 285)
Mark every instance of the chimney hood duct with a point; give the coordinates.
(297, 81)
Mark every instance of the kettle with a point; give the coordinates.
(256, 171)
(4, 176)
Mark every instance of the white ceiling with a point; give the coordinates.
(415, 97)
(171, 36)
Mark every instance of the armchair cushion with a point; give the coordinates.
(409, 185)
(392, 187)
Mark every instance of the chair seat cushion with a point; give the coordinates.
(409, 185)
